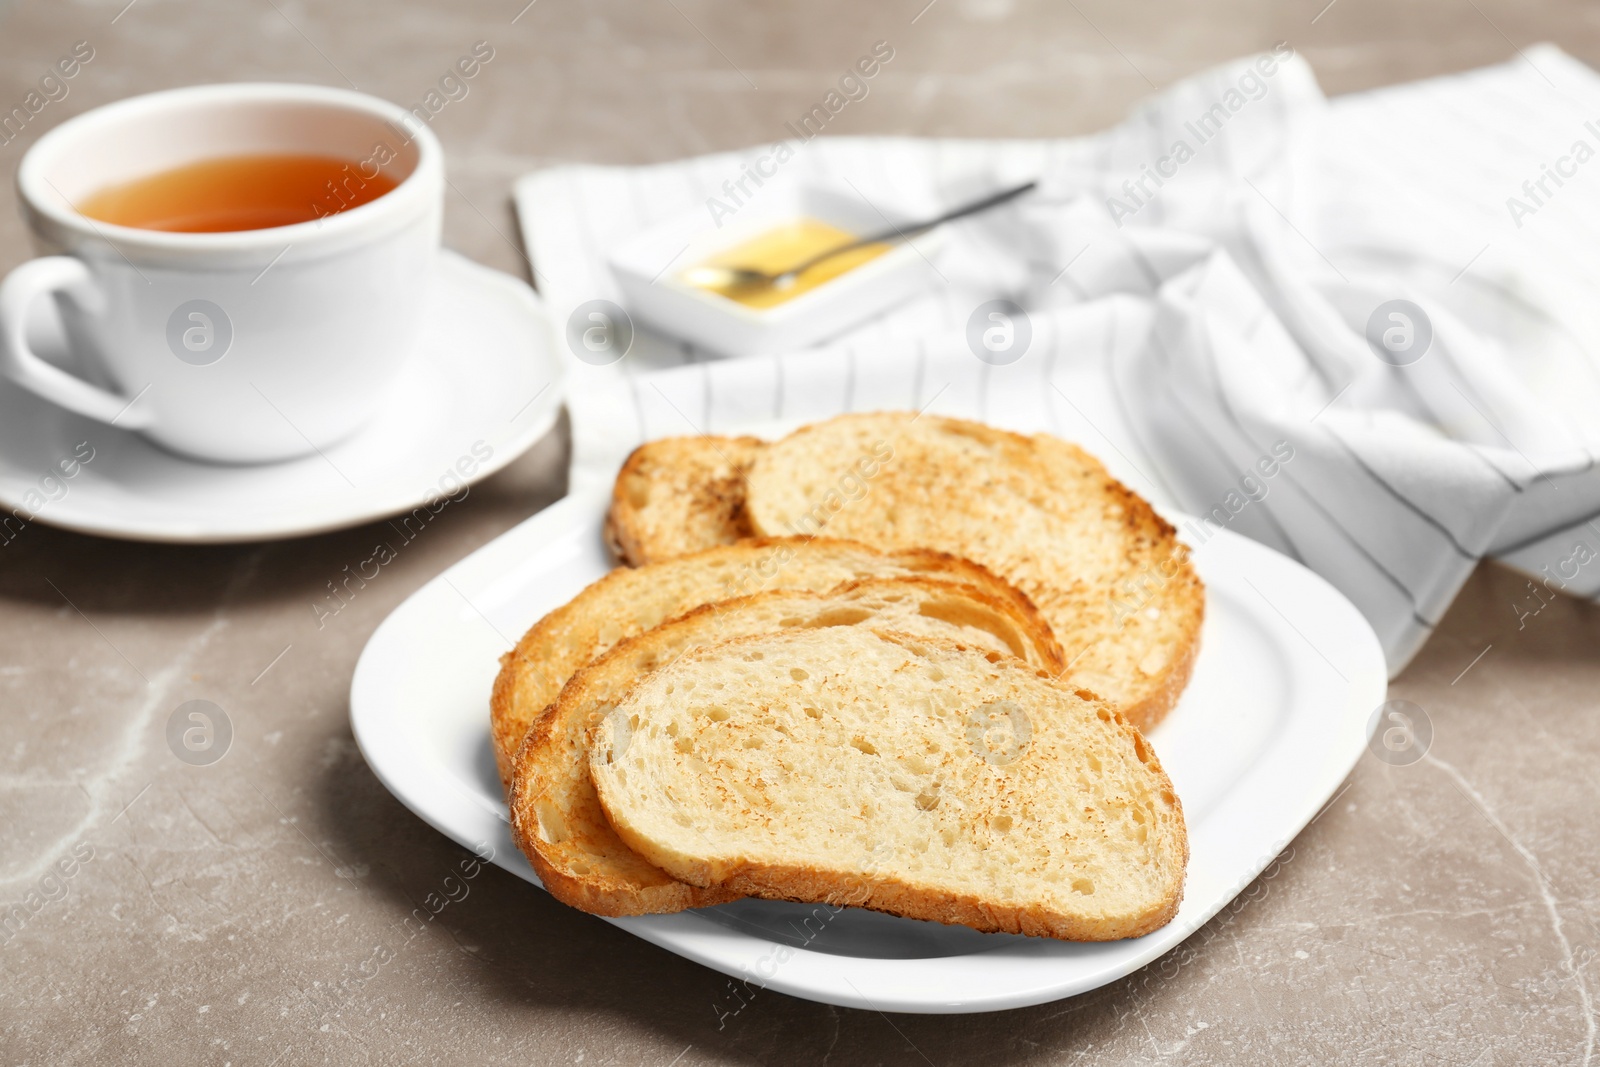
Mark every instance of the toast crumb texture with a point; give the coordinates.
(898, 772)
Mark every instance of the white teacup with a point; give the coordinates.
(246, 346)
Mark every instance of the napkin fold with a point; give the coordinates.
(1361, 331)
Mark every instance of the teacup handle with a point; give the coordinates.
(25, 284)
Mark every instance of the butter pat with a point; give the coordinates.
(782, 248)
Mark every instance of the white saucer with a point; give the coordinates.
(486, 385)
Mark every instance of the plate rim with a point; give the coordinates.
(704, 941)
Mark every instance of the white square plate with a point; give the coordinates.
(1289, 674)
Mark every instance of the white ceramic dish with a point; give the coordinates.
(647, 270)
(485, 384)
(1288, 675)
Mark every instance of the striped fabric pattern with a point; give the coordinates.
(1200, 316)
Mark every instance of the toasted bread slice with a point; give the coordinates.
(895, 772)
(556, 817)
(1108, 573)
(630, 601)
(679, 495)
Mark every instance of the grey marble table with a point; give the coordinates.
(1438, 913)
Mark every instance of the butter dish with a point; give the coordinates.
(649, 271)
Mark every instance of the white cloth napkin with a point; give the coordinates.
(1207, 336)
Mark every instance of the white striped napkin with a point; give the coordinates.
(1200, 316)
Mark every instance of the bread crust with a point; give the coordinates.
(677, 495)
(892, 896)
(1183, 587)
(594, 892)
